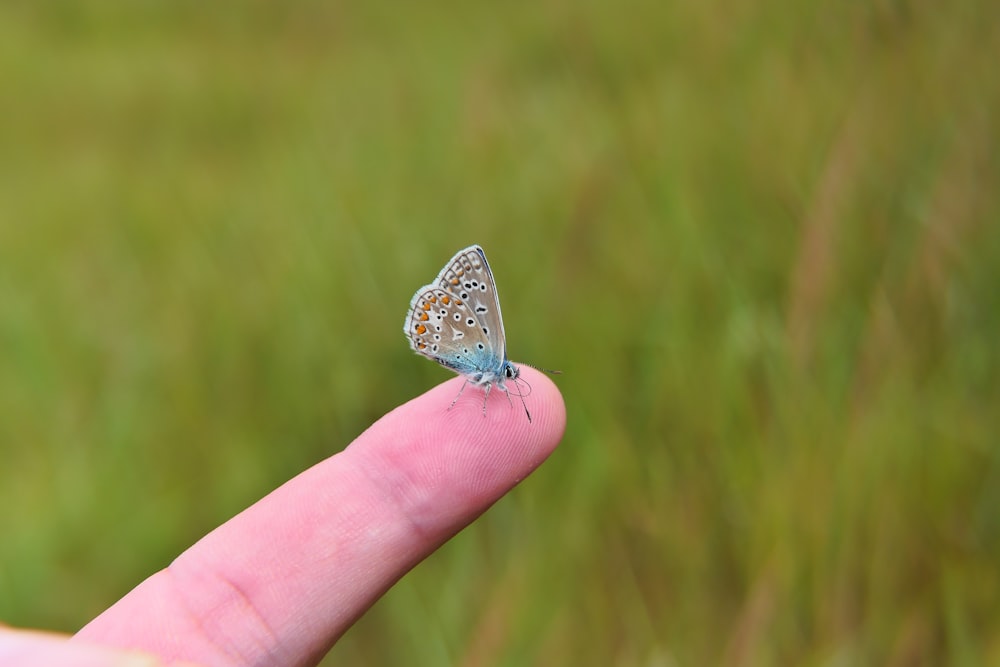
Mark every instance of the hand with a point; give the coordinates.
(283, 580)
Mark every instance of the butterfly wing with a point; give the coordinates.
(468, 277)
(456, 321)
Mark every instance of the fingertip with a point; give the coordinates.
(532, 412)
(478, 446)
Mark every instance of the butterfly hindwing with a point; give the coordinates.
(443, 327)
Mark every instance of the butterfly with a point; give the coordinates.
(456, 322)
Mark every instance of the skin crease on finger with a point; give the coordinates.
(280, 582)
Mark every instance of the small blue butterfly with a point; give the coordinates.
(456, 322)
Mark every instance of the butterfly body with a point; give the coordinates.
(456, 322)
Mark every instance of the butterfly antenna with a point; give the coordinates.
(521, 395)
(539, 368)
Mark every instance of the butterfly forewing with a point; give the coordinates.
(468, 278)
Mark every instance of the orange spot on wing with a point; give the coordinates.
(423, 317)
(421, 329)
(445, 300)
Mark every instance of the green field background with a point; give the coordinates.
(762, 241)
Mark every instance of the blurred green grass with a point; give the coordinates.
(761, 241)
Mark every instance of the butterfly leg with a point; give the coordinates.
(486, 394)
(455, 400)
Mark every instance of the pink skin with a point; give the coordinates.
(279, 583)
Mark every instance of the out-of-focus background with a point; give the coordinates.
(760, 239)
